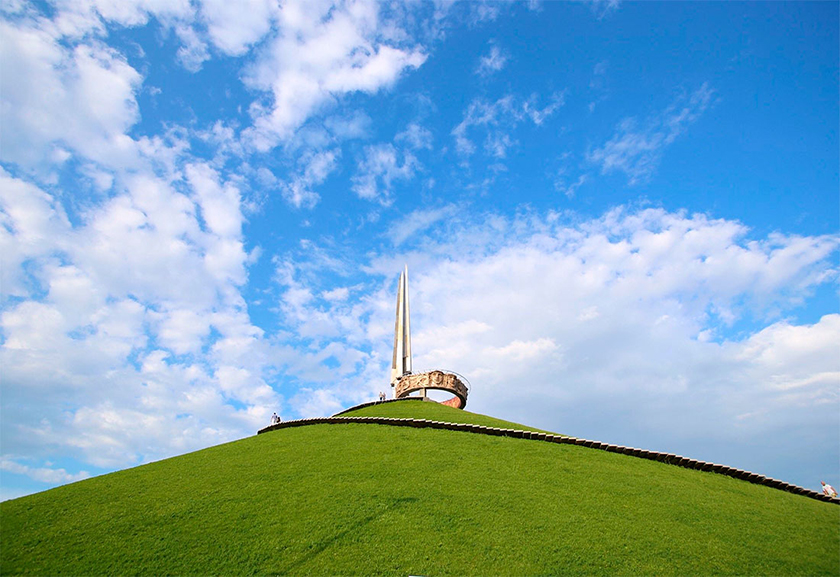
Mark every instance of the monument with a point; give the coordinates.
(403, 380)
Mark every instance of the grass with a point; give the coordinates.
(374, 499)
(434, 412)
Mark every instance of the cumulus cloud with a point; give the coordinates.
(616, 328)
(311, 56)
(91, 80)
(379, 169)
(125, 13)
(193, 52)
(42, 474)
(636, 150)
(119, 346)
(320, 53)
(125, 335)
(793, 361)
(34, 225)
(219, 203)
(233, 28)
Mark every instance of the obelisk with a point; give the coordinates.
(404, 381)
(401, 364)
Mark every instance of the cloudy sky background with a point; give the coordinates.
(620, 220)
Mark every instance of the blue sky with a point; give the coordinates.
(620, 220)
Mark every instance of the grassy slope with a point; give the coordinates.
(433, 412)
(372, 499)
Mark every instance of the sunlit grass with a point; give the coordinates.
(374, 499)
(433, 412)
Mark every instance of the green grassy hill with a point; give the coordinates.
(375, 499)
(432, 412)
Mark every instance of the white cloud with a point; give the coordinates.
(569, 189)
(148, 266)
(320, 52)
(797, 360)
(159, 426)
(318, 402)
(499, 119)
(599, 325)
(123, 12)
(338, 294)
(219, 204)
(42, 474)
(103, 180)
(416, 137)
(637, 150)
(234, 27)
(379, 169)
(75, 19)
(497, 144)
(519, 351)
(603, 8)
(113, 248)
(599, 72)
(193, 53)
(492, 62)
(537, 114)
(223, 136)
(242, 385)
(128, 338)
(356, 125)
(306, 316)
(599, 329)
(33, 226)
(479, 113)
(82, 97)
(482, 11)
(417, 222)
(316, 167)
(182, 331)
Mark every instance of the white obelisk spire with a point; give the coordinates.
(401, 364)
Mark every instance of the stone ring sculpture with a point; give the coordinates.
(436, 380)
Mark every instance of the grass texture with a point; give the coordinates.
(432, 411)
(379, 500)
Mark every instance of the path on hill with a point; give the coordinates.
(667, 458)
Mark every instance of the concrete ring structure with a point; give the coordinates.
(436, 380)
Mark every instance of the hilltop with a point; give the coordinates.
(375, 499)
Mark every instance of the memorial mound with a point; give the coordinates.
(375, 499)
